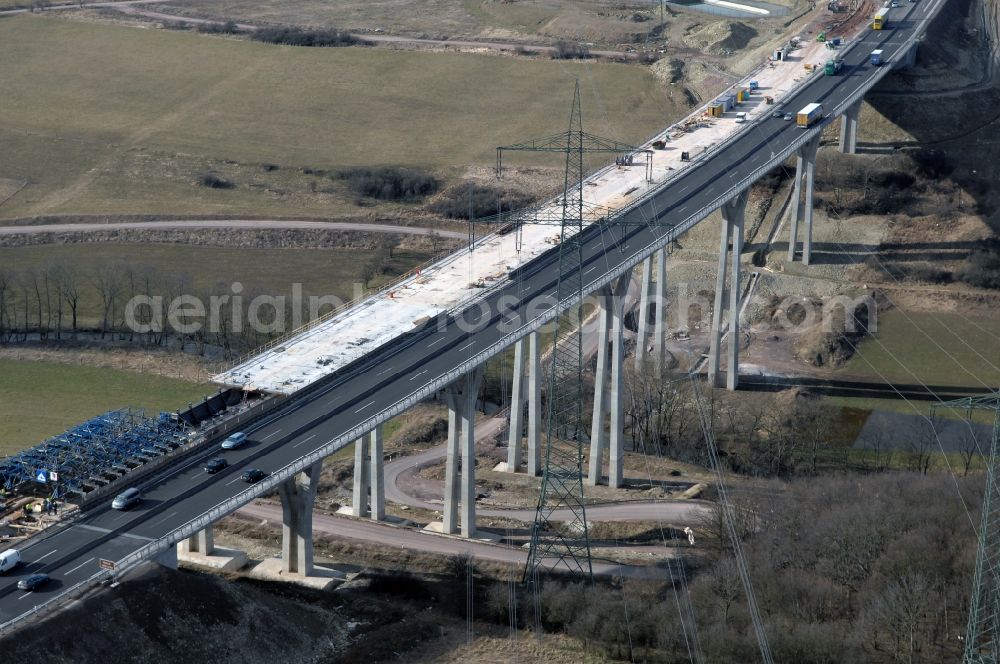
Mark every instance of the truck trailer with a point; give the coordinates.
(809, 115)
(881, 20)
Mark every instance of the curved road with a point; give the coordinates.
(407, 468)
(251, 224)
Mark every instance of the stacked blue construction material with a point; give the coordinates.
(93, 453)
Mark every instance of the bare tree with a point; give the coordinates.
(108, 282)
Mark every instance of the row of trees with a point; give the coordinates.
(50, 303)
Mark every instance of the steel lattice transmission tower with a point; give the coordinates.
(565, 543)
(982, 635)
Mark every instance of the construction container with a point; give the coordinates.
(728, 100)
(717, 109)
(877, 57)
(809, 115)
(742, 95)
(779, 54)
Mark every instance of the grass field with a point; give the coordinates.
(110, 119)
(264, 270)
(41, 399)
(936, 349)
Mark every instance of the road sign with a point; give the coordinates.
(41, 476)
(53, 476)
(107, 564)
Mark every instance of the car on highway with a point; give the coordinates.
(213, 466)
(788, 116)
(778, 113)
(252, 475)
(32, 582)
(235, 440)
(127, 499)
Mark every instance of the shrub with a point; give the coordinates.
(983, 269)
(565, 50)
(215, 182)
(289, 36)
(486, 202)
(227, 28)
(389, 183)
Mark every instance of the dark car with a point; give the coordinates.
(33, 581)
(213, 466)
(251, 475)
(777, 113)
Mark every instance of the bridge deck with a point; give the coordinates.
(347, 336)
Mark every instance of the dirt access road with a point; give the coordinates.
(132, 8)
(251, 224)
(403, 538)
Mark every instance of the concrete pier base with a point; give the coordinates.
(320, 578)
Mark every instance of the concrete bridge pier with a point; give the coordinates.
(805, 171)
(849, 128)
(608, 396)
(525, 395)
(652, 293)
(460, 487)
(731, 246)
(200, 549)
(369, 471)
(906, 59)
(202, 542)
(298, 494)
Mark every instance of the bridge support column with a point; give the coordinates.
(731, 246)
(202, 542)
(608, 397)
(642, 315)
(849, 128)
(534, 404)
(907, 59)
(517, 403)
(660, 322)
(461, 488)
(298, 494)
(369, 488)
(805, 170)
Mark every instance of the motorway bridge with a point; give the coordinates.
(290, 441)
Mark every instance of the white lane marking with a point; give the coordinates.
(304, 441)
(235, 479)
(471, 343)
(138, 537)
(46, 555)
(24, 595)
(365, 406)
(77, 567)
(96, 529)
(123, 515)
(416, 375)
(272, 435)
(591, 269)
(434, 343)
(156, 523)
(384, 371)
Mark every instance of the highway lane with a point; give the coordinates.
(380, 380)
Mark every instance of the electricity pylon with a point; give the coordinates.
(565, 543)
(982, 634)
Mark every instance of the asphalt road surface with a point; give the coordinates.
(411, 366)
